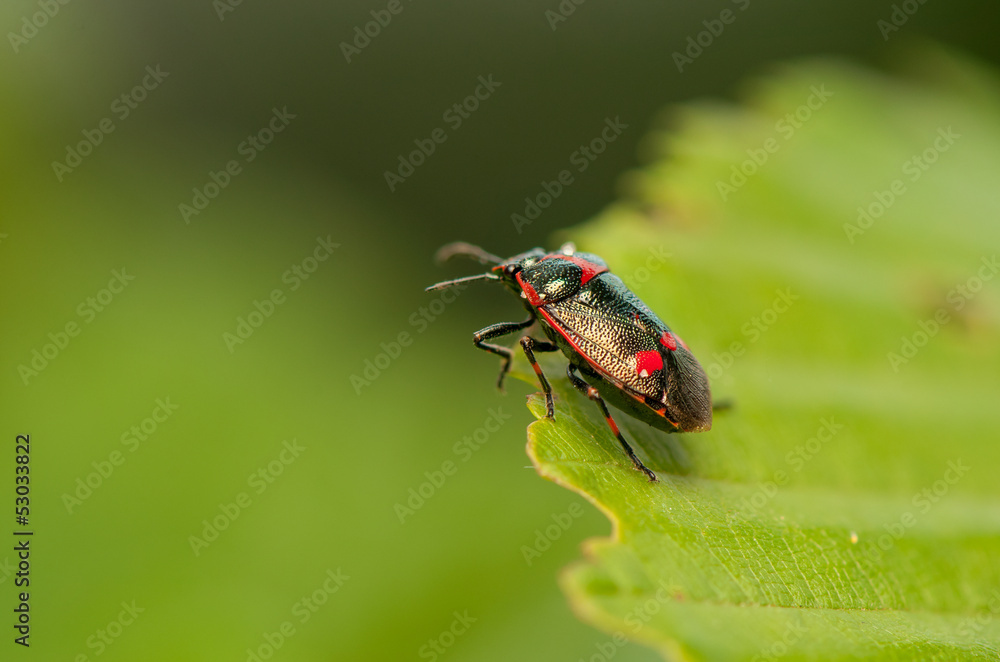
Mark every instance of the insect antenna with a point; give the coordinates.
(451, 283)
(464, 249)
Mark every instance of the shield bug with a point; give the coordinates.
(625, 353)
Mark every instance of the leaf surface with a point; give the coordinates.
(847, 506)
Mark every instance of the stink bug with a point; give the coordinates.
(626, 354)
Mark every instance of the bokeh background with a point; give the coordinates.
(115, 510)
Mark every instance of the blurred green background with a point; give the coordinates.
(332, 508)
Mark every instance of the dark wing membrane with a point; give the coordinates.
(688, 395)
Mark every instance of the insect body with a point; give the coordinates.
(626, 355)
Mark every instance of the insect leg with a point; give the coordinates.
(592, 393)
(495, 331)
(529, 343)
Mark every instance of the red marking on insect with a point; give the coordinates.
(668, 341)
(589, 268)
(663, 413)
(647, 363)
(529, 291)
(681, 341)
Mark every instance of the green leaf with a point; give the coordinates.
(847, 506)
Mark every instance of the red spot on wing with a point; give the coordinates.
(646, 363)
(529, 291)
(589, 268)
(668, 341)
